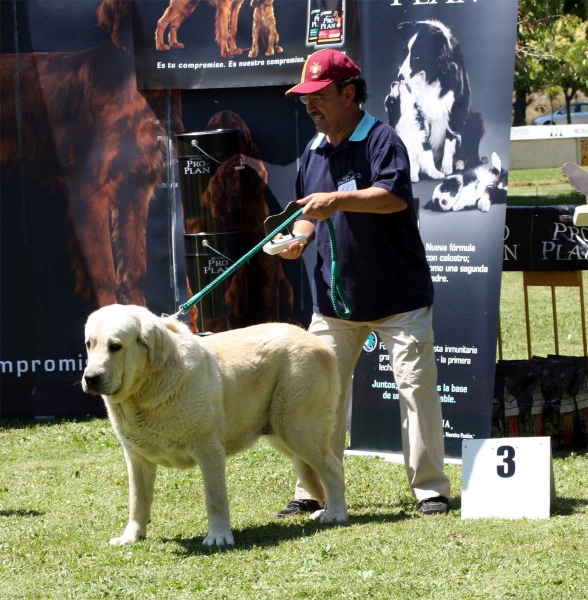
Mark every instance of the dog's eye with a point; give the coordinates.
(88, 346)
(114, 347)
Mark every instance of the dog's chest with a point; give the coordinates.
(436, 110)
(154, 439)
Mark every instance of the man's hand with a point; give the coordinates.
(293, 251)
(319, 206)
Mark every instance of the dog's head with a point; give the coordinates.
(114, 17)
(430, 52)
(123, 344)
(446, 194)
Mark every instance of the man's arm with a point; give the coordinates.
(321, 206)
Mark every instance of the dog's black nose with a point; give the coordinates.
(93, 380)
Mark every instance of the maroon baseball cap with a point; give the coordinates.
(321, 69)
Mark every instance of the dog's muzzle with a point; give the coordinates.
(93, 383)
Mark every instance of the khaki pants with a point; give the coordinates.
(409, 340)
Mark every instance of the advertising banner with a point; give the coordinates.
(441, 72)
(91, 212)
(544, 238)
(189, 44)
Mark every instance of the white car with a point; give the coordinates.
(579, 114)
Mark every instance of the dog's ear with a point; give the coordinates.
(156, 337)
(112, 18)
(407, 29)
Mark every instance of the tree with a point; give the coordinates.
(550, 51)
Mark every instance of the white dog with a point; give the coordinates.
(177, 400)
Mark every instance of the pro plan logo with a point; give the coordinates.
(315, 70)
(371, 343)
(196, 166)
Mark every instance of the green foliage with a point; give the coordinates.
(552, 49)
(63, 494)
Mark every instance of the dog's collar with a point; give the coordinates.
(359, 133)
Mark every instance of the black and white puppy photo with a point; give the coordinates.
(480, 188)
(433, 69)
(414, 130)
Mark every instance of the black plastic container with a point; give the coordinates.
(205, 159)
(203, 266)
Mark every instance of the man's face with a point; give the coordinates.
(327, 109)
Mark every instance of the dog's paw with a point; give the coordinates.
(134, 532)
(162, 47)
(123, 540)
(484, 204)
(219, 539)
(318, 514)
(177, 45)
(331, 516)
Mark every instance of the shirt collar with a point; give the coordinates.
(359, 133)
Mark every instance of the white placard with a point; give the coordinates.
(509, 478)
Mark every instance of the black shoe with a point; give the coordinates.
(299, 507)
(434, 506)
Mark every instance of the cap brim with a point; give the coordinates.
(308, 87)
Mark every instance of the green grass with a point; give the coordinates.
(531, 187)
(63, 494)
(512, 318)
(541, 187)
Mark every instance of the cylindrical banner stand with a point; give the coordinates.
(210, 186)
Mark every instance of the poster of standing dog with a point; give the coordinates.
(190, 44)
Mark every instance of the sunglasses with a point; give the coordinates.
(316, 100)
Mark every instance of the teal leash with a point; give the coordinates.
(337, 291)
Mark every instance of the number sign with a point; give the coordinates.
(509, 478)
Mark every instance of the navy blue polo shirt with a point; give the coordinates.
(381, 258)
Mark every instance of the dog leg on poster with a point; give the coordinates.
(90, 222)
(233, 24)
(448, 155)
(129, 240)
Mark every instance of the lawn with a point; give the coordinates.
(63, 494)
(530, 187)
(540, 187)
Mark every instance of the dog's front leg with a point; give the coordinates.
(141, 488)
(255, 35)
(448, 155)
(212, 465)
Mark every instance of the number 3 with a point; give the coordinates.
(508, 468)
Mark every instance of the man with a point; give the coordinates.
(356, 172)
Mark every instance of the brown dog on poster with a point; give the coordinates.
(225, 24)
(87, 130)
(265, 31)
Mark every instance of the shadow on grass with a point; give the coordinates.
(274, 533)
(19, 512)
(568, 506)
